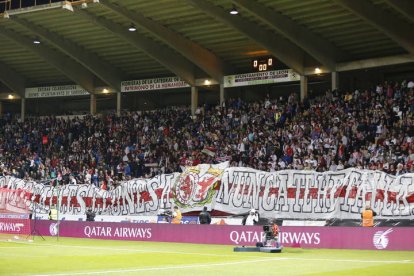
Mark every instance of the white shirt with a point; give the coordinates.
(88, 178)
(251, 219)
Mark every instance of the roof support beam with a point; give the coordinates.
(12, 79)
(374, 62)
(321, 49)
(110, 75)
(165, 56)
(200, 56)
(405, 7)
(67, 66)
(393, 27)
(287, 52)
(366, 63)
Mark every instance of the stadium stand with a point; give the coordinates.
(366, 129)
(350, 128)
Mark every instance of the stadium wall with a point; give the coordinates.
(379, 238)
(150, 100)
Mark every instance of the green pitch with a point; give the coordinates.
(97, 257)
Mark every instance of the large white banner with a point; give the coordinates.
(153, 84)
(284, 194)
(191, 191)
(55, 91)
(261, 78)
(312, 195)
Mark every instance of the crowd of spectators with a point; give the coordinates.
(367, 129)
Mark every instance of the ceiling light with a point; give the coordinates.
(132, 28)
(234, 11)
(10, 96)
(318, 70)
(105, 91)
(36, 41)
(207, 82)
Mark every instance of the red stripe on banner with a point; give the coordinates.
(37, 199)
(380, 195)
(353, 192)
(64, 200)
(74, 202)
(392, 197)
(291, 192)
(145, 196)
(88, 201)
(313, 192)
(410, 198)
(158, 192)
(272, 191)
(342, 192)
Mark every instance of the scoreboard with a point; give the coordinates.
(262, 64)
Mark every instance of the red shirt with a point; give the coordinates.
(275, 230)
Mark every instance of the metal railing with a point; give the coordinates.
(7, 5)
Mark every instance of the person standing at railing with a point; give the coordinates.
(252, 218)
(53, 213)
(368, 217)
(176, 216)
(204, 217)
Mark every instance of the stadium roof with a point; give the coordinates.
(88, 42)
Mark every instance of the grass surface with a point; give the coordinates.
(99, 257)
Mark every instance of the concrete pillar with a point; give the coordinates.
(222, 95)
(194, 99)
(303, 87)
(93, 104)
(118, 104)
(334, 81)
(23, 109)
